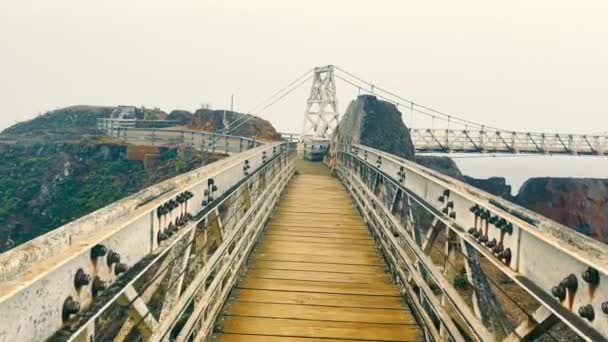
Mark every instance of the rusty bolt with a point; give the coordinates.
(586, 311)
(98, 251)
(508, 228)
(81, 278)
(497, 249)
(605, 307)
(506, 255)
(120, 268)
(162, 236)
(591, 275)
(70, 307)
(570, 282)
(112, 258)
(169, 231)
(559, 292)
(98, 285)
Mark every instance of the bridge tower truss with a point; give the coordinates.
(321, 116)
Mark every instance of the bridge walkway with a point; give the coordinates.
(316, 275)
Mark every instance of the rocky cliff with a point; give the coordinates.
(579, 203)
(378, 124)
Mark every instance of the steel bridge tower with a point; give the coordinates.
(321, 117)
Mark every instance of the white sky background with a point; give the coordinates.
(519, 65)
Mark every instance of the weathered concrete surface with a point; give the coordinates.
(377, 124)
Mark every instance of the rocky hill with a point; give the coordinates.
(46, 185)
(81, 119)
(255, 127)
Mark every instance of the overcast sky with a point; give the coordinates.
(520, 65)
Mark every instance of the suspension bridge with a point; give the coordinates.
(264, 245)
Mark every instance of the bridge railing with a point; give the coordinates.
(126, 131)
(450, 140)
(474, 266)
(155, 265)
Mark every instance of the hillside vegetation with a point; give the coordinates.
(44, 186)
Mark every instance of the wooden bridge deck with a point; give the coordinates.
(316, 276)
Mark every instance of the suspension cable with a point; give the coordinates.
(375, 89)
(268, 99)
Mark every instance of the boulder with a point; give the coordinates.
(183, 116)
(377, 124)
(579, 203)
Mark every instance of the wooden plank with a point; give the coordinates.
(321, 235)
(321, 329)
(311, 266)
(319, 286)
(347, 260)
(321, 267)
(267, 338)
(336, 242)
(319, 313)
(324, 225)
(312, 298)
(355, 278)
(339, 217)
(318, 210)
(312, 249)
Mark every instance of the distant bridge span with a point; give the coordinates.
(497, 141)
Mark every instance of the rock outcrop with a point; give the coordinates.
(579, 203)
(255, 127)
(183, 116)
(497, 186)
(377, 124)
(445, 165)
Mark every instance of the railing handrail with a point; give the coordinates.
(529, 237)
